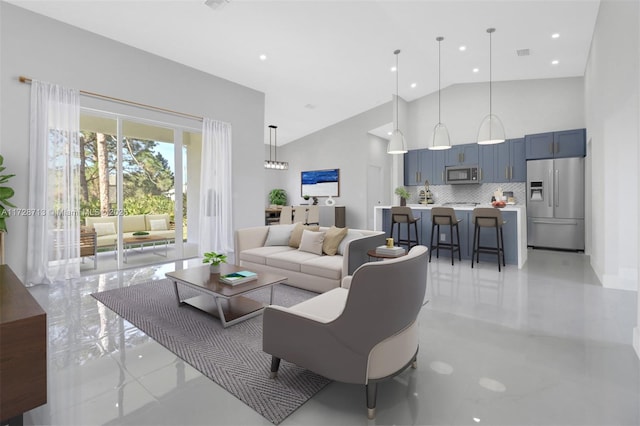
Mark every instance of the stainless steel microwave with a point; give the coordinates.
(461, 174)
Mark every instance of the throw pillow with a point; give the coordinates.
(279, 235)
(351, 235)
(311, 241)
(104, 228)
(296, 233)
(158, 224)
(332, 239)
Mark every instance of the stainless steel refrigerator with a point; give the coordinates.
(555, 203)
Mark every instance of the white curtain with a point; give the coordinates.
(216, 226)
(53, 240)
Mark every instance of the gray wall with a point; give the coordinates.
(45, 49)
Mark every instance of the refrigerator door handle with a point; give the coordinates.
(556, 190)
(550, 180)
(549, 222)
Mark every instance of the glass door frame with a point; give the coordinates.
(178, 131)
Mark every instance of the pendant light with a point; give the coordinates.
(491, 129)
(274, 164)
(396, 143)
(440, 139)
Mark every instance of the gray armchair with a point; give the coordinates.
(362, 333)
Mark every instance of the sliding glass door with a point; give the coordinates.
(135, 190)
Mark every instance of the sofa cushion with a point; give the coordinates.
(296, 233)
(351, 235)
(332, 239)
(259, 254)
(279, 235)
(311, 241)
(290, 260)
(149, 217)
(158, 225)
(133, 223)
(324, 266)
(104, 228)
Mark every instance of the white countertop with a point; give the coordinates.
(508, 207)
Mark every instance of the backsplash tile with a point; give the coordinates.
(479, 193)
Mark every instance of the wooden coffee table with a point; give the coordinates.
(223, 301)
(143, 240)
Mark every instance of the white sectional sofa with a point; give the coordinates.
(266, 249)
(106, 227)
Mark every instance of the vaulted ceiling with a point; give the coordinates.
(329, 60)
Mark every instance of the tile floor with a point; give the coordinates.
(544, 345)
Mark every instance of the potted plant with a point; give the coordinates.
(278, 197)
(402, 192)
(215, 259)
(6, 192)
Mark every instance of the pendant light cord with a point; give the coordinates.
(397, 52)
(490, 31)
(439, 106)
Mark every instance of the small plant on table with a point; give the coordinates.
(214, 259)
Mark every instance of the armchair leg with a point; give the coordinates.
(275, 365)
(372, 392)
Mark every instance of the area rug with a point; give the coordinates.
(231, 357)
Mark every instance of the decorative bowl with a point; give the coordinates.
(498, 204)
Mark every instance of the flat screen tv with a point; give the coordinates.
(320, 183)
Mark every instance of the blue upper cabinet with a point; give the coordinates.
(511, 163)
(418, 167)
(568, 143)
(518, 171)
(411, 165)
(539, 146)
(487, 163)
(439, 161)
(463, 155)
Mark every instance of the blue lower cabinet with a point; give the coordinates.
(466, 228)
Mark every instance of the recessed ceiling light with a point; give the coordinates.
(555, 62)
(462, 48)
(393, 69)
(263, 57)
(413, 85)
(389, 133)
(476, 69)
(555, 35)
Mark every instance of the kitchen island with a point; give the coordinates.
(514, 230)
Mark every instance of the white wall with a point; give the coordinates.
(611, 104)
(45, 49)
(345, 146)
(524, 106)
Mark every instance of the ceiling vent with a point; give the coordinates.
(216, 4)
(523, 52)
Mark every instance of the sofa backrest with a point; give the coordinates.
(130, 223)
(133, 223)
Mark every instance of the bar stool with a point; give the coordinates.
(487, 217)
(400, 215)
(445, 216)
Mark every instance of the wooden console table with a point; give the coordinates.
(23, 349)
